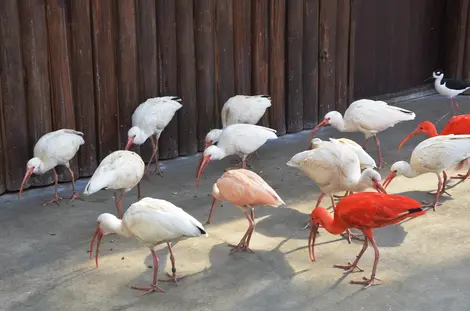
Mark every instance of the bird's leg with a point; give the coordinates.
(172, 276)
(351, 266)
(438, 192)
(242, 245)
(138, 191)
(244, 164)
(370, 281)
(154, 154)
(212, 209)
(364, 145)
(118, 203)
(462, 176)
(456, 106)
(379, 153)
(248, 239)
(154, 287)
(320, 198)
(56, 197)
(340, 197)
(75, 194)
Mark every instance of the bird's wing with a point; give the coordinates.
(245, 138)
(458, 125)
(244, 109)
(366, 161)
(456, 84)
(154, 114)
(60, 145)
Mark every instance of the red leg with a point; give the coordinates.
(364, 145)
(462, 176)
(118, 204)
(370, 281)
(456, 106)
(154, 154)
(438, 192)
(138, 192)
(248, 239)
(212, 209)
(154, 287)
(56, 197)
(351, 266)
(242, 245)
(379, 153)
(75, 194)
(173, 276)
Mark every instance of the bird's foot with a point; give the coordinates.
(241, 247)
(55, 200)
(148, 289)
(173, 278)
(460, 176)
(433, 205)
(352, 236)
(74, 196)
(349, 268)
(158, 171)
(366, 281)
(433, 192)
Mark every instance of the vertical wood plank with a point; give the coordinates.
(342, 55)
(168, 68)
(127, 67)
(105, 77)
(310, 62)
(187, 121)
(224, 66)
(327, 73)
(36, 65)
(204, 24)
(2, 151)
(466, 63)
(294, 111)
(277, 18)
(147, 53)
(260, 43)
(15, 132)
(242, 45)
(354, 15)
(83, 87)
(63, 115)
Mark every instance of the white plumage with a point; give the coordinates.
(151, 118)
(152, 222)
(121, 170)
(53, 149)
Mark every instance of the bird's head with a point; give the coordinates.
(438, 74)
(211, 153)
(105, 224)
(135, 136)
(212, 137)
(34, 165)
(332, 118)
(398, 168)
(425, 127)
(317, 218)
(372, 179)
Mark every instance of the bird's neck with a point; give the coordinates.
(333, 225)
(342, 126)
(119, 227)
(409, 172)
(362, 183)
(437, 81)
(432, 132)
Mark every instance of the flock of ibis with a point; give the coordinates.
(336, 165)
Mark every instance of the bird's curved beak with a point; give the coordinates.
(379, 187)
(311, 240)
(98, 233)
(407, 137)
(202, 165)
(207, 144)
(310, 147)
(429, 79)
(318, 127)
(25, 179)
(389, 179)
(130, 141)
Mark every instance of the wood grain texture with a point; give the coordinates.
(81, 58)
(15, 143)
(36, 69)
(2, 150)
(204, 11)
(342, 55)
(310, 63)
(242, 46)
(105, 77)
(294, 111)
(260, 51)
(466, 62)
(187, 121)
(168, 69)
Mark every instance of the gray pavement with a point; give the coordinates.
(44, 263)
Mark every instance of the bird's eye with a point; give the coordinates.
(395, 171)
(421, 128)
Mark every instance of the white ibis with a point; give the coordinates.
(152, 222)
(121, 171)
(151, 118)
(335, 167)
(239, 139)
(244, 189)
(239, 109)
(367, 116)
(53, 149)
(434, 155)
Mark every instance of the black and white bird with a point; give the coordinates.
(449, 87)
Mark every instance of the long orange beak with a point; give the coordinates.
(318, 127)
(414, 133)
(25, 179)
(379, 187)
(311, 240)
(130, 141)
(389, 179)
(202, 165)
(98, 233)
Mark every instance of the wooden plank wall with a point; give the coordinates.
(87, 64)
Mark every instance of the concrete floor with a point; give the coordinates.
(424, 262)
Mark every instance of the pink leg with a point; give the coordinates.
(462, 176)
(456, 106)
(248, 239)
(438, 193)
(154, 154)
(172, 277)
(75, 194)
(364, 145)
(351, 266)
(379, 153)
(154, 287)
(138, 192)
(242, 245)
(118, 203)
(56, 197)
(212, 209)
(370, 281)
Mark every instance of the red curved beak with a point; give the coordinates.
(130, 141)
(379, 187)
(407, 137)
(202, 165)
(28, 174)
(389, 179)
(311, 240)
(98, 233)
(318, 127)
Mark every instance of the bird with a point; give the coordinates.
(433, 155)
(449, 88)
(244, 189)
(364, 211)
(367, 116)
(120, 171)
(150, 119)
(239, 109)
(457, 125)
(152, 222)
(334, 167)
(53, 149)
(239, 139)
